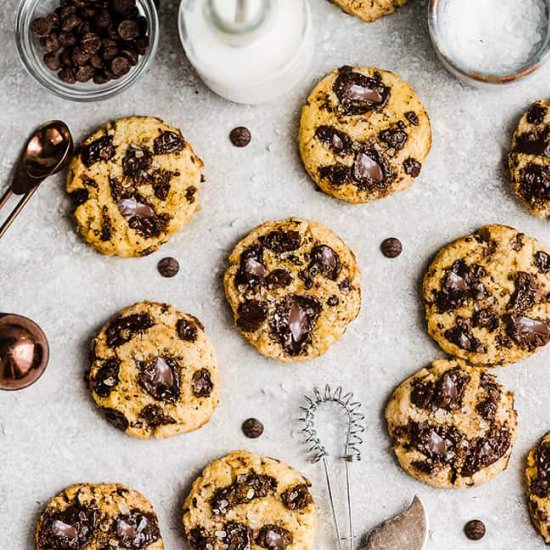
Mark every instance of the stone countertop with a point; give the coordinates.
(51, 434)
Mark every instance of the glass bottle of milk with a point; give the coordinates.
(248, 51)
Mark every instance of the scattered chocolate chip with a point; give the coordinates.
(274, 537)
(240, 136)
(186, 330)
(391, 247)
(252, 428)
(412, 117)
(201, 383)
(167, 143)
(297, 497)
(116, 419)
(412, 167)
(136, 530)
(106, 378)
(168, 267)
(358, 93)
(160, 378)
(474, 529)
(338, 141)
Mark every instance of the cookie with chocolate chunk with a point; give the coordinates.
(153, 372)
(452, 425)
(537, 475)
(294, 287)
(133, 183)
(102, 516)
(529, 159)
(364, 134)
(487, 296)
(369, 10)
(243, 500)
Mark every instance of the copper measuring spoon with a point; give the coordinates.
(47, 151)
(24, 352)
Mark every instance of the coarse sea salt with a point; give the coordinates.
(493, 36)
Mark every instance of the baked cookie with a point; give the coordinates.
(98, 517)
(364, 134)
(537, 475)
(452, 425)
(487, 296)
(294, 287)
(529, 159)
(245, 501)
(153, 371)
(369, 10)
(133, 183)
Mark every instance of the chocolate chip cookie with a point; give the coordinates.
(537, 476)
(94, 517)
(369, 10)
(364, 134)
(294, 287)
(133, 183)
(154, 372)
(529, 159)
(452, 425)
(487, 296)
(247, 501)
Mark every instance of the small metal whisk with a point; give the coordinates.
(355, 427)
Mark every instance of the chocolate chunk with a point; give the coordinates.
(245, 488)
(160, 180)
(487, 450)
(412, 117)
(422, 393)
(122, 329)
(187, 330)
(167, 143)
(190, 194)
(101, 149)
(136, 529)
(462, 282)
(116, 419)
(474, 529)
(136, 162)
(106, 225)
(168, 267)
(430, 441)
(68, 529)
(274, 537)
(251, 315)
(237, 536)
(337, 174)
(370, 169)
(132, 208)
(293, 322)
(278, 278)
(395, 139)
(252, 428)
(280, 241)
(535, 142)
(199, 539)
(526, 292)
(107, 377)
(252, 270)
(240, 136)
(358, 93)
(326, 261)
(540, 485)
(462, 336)
(486, 318)
(450, 388)
(518, 241)
(201, 383)
(535, 182)
(536, 114)
(154, 417)
(79, 196)
(487, 407)
(527, 333)
(542, 261)
(297, 497)
(333, 300)
(391, 247)
(338, 141)
(412, 167)
(160, 378)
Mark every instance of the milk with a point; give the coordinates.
(248, 51)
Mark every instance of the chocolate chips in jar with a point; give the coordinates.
(94, 41)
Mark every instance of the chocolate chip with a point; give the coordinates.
(278, 278)
(252, 428)
(252, 270)
(90, 43)
(525, 293)
(326, 261)
(336, 174)
(128, 30)
(527, 333)
(201, 383)
(412, 117)
(535, 182)
(186, 330)
(422, 394)
(237, 536)
(52, 61)
(240, 136)
(70, 22)
(123, 7)
(199, 539)
(132, 208)
(274, 537)
(536, 114)
(412, 167)
(474, 529)
(167, 143)
(84, 74)
(251, 315)
(122, 329)
(79, 196)
(293, 322)
(333, 300)
(120, 66)
(486, 318)
(168, 267)
(116, 419)
(540, 485)
(391, 247)
(486, 450)
(136, 529)
(358, 93)
(370, 169)
(50, 44)
(154, 416)
(190, 194)
(106, 378)
(160, 378)
(41, 27)
(101, 149)
(338, 141)
(450, 388)
(280, 241)
(67, 75)
(395, 139)
(462, 336)
(297, 497)
(534, 142)
(542, 261)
